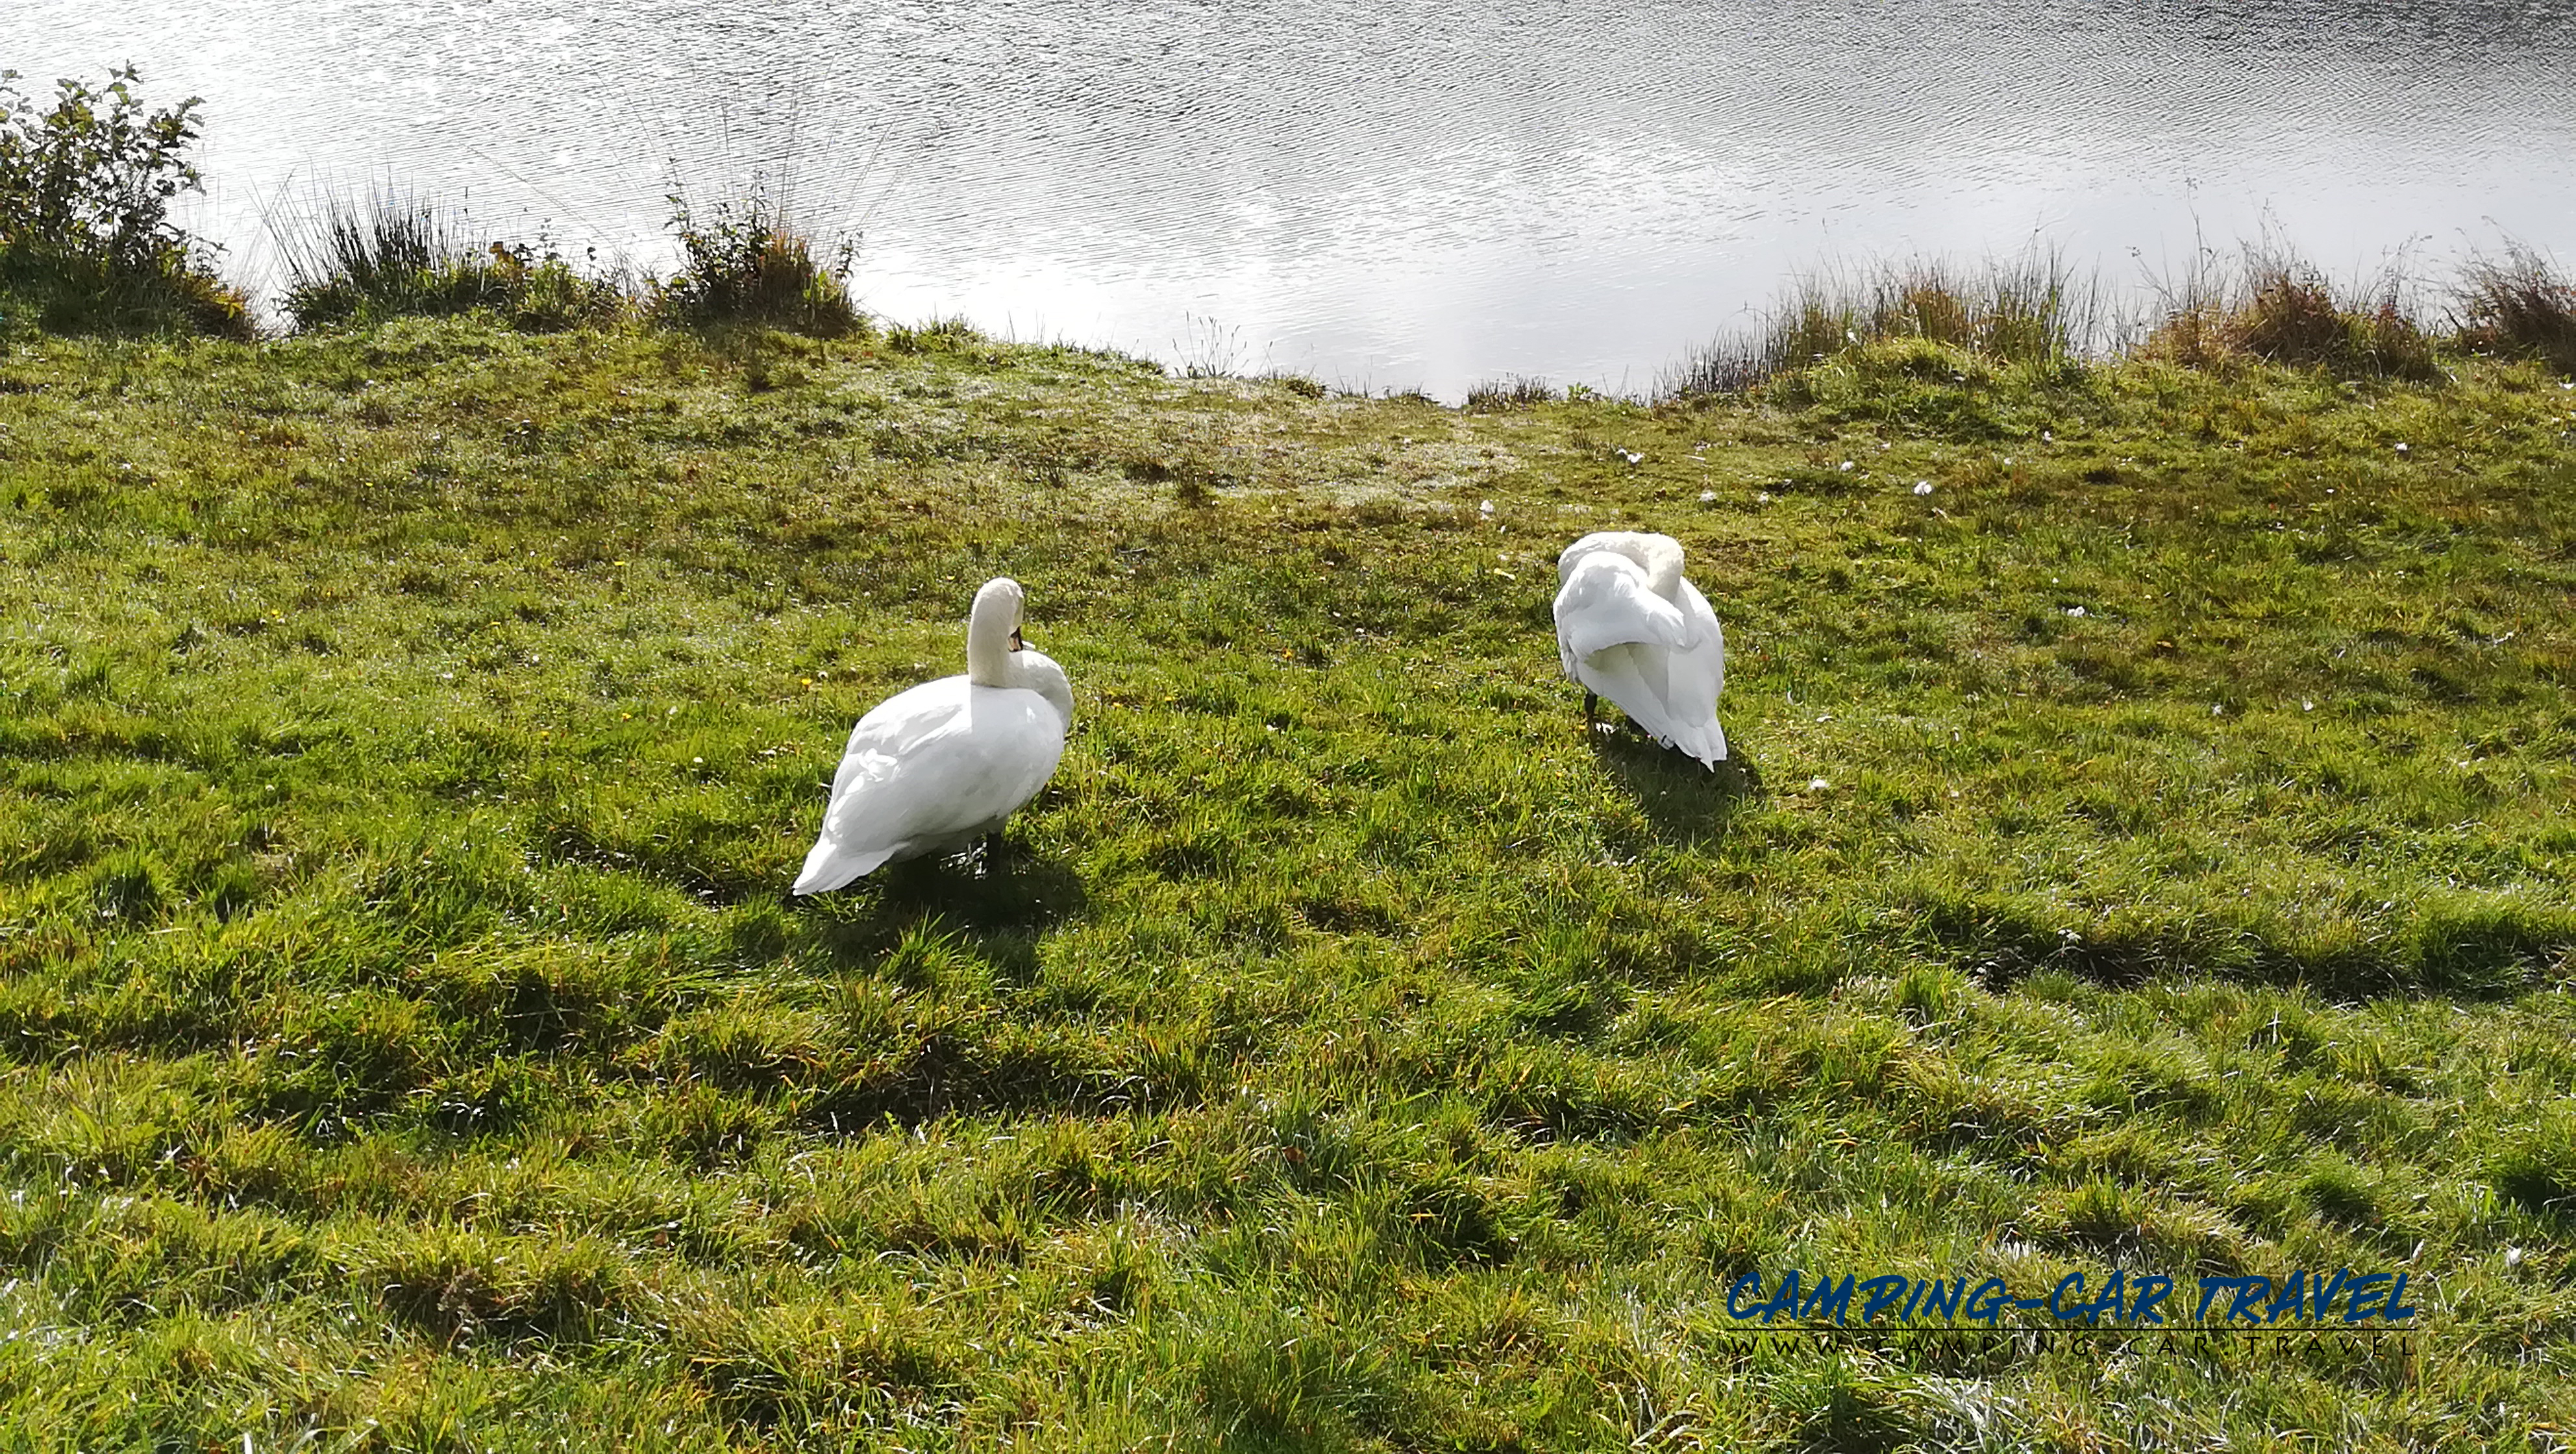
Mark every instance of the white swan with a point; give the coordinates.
(1629, 628)
(936, 767)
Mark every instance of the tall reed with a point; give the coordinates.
(2517, 304)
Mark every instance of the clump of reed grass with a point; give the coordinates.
(2035, 308)
(2518, 304)
(745, 260)
(1512, 391)
(1304, 386)
(933, 335)
(397, 255)
(86, 240)
(2274, 305)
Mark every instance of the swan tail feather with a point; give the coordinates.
(829, 866)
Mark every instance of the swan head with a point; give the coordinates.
(993, 633)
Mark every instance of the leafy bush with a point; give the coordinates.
(745, 262)
(402, 256)
(86, 239)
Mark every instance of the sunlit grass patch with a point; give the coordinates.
(2146, 848)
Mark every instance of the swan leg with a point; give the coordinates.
(993, 853)
(1591, 706)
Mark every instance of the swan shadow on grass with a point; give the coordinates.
(1689, 805)
(993, 906)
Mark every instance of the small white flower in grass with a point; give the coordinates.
(1707, 495)
(2047, 437)
(1846, 465)
(1485, 507)
(1923, 487)
(699, 760)
(2306, 706)
(2513, 1257)
(2217, 709)
(1817, 785)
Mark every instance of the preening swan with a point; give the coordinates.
(1631, 629)
(934, 768)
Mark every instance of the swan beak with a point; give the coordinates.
(1016, 643)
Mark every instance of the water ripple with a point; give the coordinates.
(1393, 193)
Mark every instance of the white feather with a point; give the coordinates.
(936, 767)
(1630, 628)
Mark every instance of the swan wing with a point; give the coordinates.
(1693, 677)
(1607, 601)
(940, 763)
(1666, 679)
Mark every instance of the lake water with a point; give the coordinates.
(1393, 194)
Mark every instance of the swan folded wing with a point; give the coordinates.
(955, 766)
(1706, 672)
(1607, 602)
(1671, 693)
(895, 726)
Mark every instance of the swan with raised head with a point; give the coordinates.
(934, 768)
(1629, 628)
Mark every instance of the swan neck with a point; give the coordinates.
(988, 643)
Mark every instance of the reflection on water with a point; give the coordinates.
(1396, 193)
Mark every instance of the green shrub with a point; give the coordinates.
(86, 240)
(745, 262)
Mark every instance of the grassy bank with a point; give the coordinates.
(2147, 849)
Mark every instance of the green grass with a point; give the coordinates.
(393, 256)
(407, 735)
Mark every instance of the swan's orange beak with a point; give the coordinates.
(1016, 643)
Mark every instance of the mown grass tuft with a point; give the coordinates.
(2145, 848)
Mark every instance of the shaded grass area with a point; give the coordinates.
(2148, 848)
